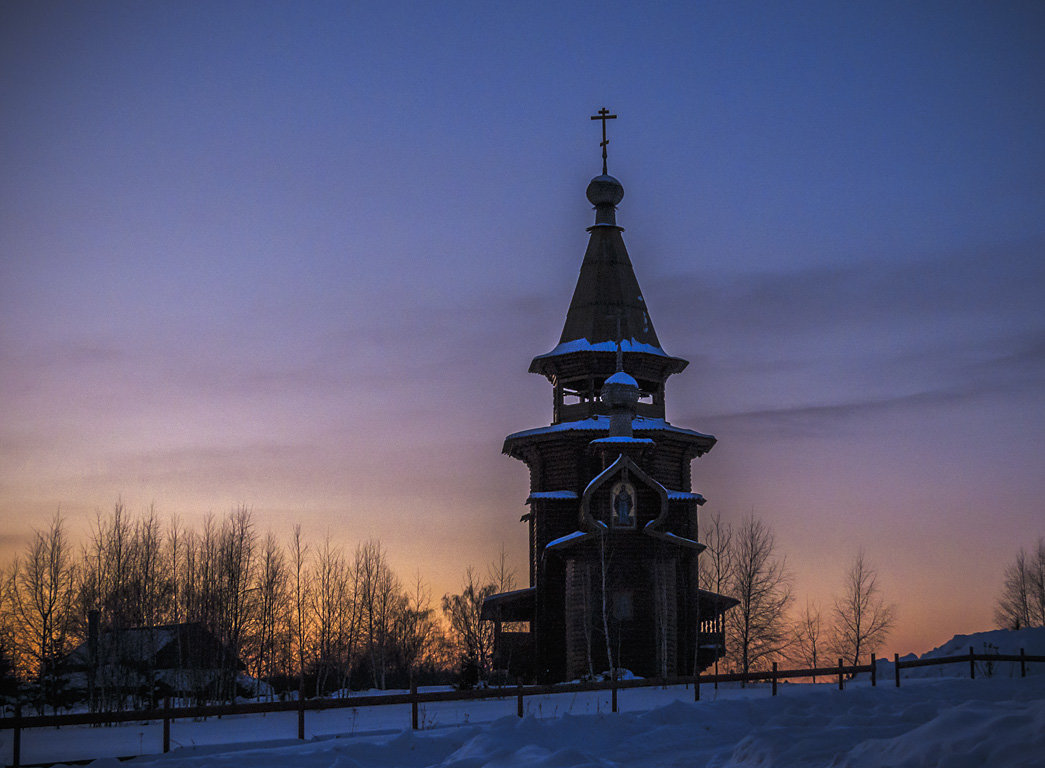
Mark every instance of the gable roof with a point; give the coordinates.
(165, 646)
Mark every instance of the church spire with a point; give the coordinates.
(608, 328)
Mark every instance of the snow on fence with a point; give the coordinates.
(415, 698)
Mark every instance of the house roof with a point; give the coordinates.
(517, 605)
(149, 643)
(714, 603)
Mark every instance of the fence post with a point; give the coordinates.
(301, 708)
(519, 698)
(166, 724)
(16, 739)
(1023, 663)
(972, 664)
(874, 672)
(613, 689)
(696, 686)
(841, 687)
(413, 703)
(896, 668)
(774, 678)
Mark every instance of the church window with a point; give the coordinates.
(623, 605)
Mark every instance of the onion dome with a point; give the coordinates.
(604, 192)
(620, 389)
(621, 393)
(605, 189)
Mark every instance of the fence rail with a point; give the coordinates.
(167, 714)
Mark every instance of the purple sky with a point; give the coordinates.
(298, 257)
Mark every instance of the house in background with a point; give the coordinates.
(147, 664)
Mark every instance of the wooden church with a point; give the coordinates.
(613, 525)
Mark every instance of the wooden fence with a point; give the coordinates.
(415, 698)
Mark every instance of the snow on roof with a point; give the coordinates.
(551, 495)
(674, 538)
(510, 594)
(566, 540)
(602, 424)
(622, 440)
(611, 469)
(583, 345)
(620, 377)
(684, 496)
(651, 529)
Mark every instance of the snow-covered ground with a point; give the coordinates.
(1002, 641)
(995, 721)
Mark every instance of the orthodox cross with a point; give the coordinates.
(604, 115)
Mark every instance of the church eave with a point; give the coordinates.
(577, 359)
(656, 429)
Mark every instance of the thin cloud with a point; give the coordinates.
(820, 420)
(1001, 282)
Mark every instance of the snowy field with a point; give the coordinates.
(929, 721)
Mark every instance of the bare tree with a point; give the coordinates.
(415, 627)
(105, 579)
(379, 592)
(41, 592)
(150, 593)
(500, 573)
(715, 561)
(273, 614)
(237, 597)
(714, 566)
(299, 576)
(761, 582)
(472, 637)
(862, 618)
(1022, 601)
(1037, 582)
(808, 646)
(334, 611)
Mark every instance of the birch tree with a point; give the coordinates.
(757, 627)
(862, 618)
(714, 567)
(1022, 601)
(810, 637)
(472, 637)
(42, 594)
(273, 615)
(300, 596)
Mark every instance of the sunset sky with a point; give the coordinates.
(299, 256)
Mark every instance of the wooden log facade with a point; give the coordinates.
(613, 526)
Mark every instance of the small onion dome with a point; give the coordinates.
(620, 377)
(604, 190)
(621, 390)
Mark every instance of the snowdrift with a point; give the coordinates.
(1003, 641)
(996, 721)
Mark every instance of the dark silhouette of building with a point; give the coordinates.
(151, 662)
(613, 576)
